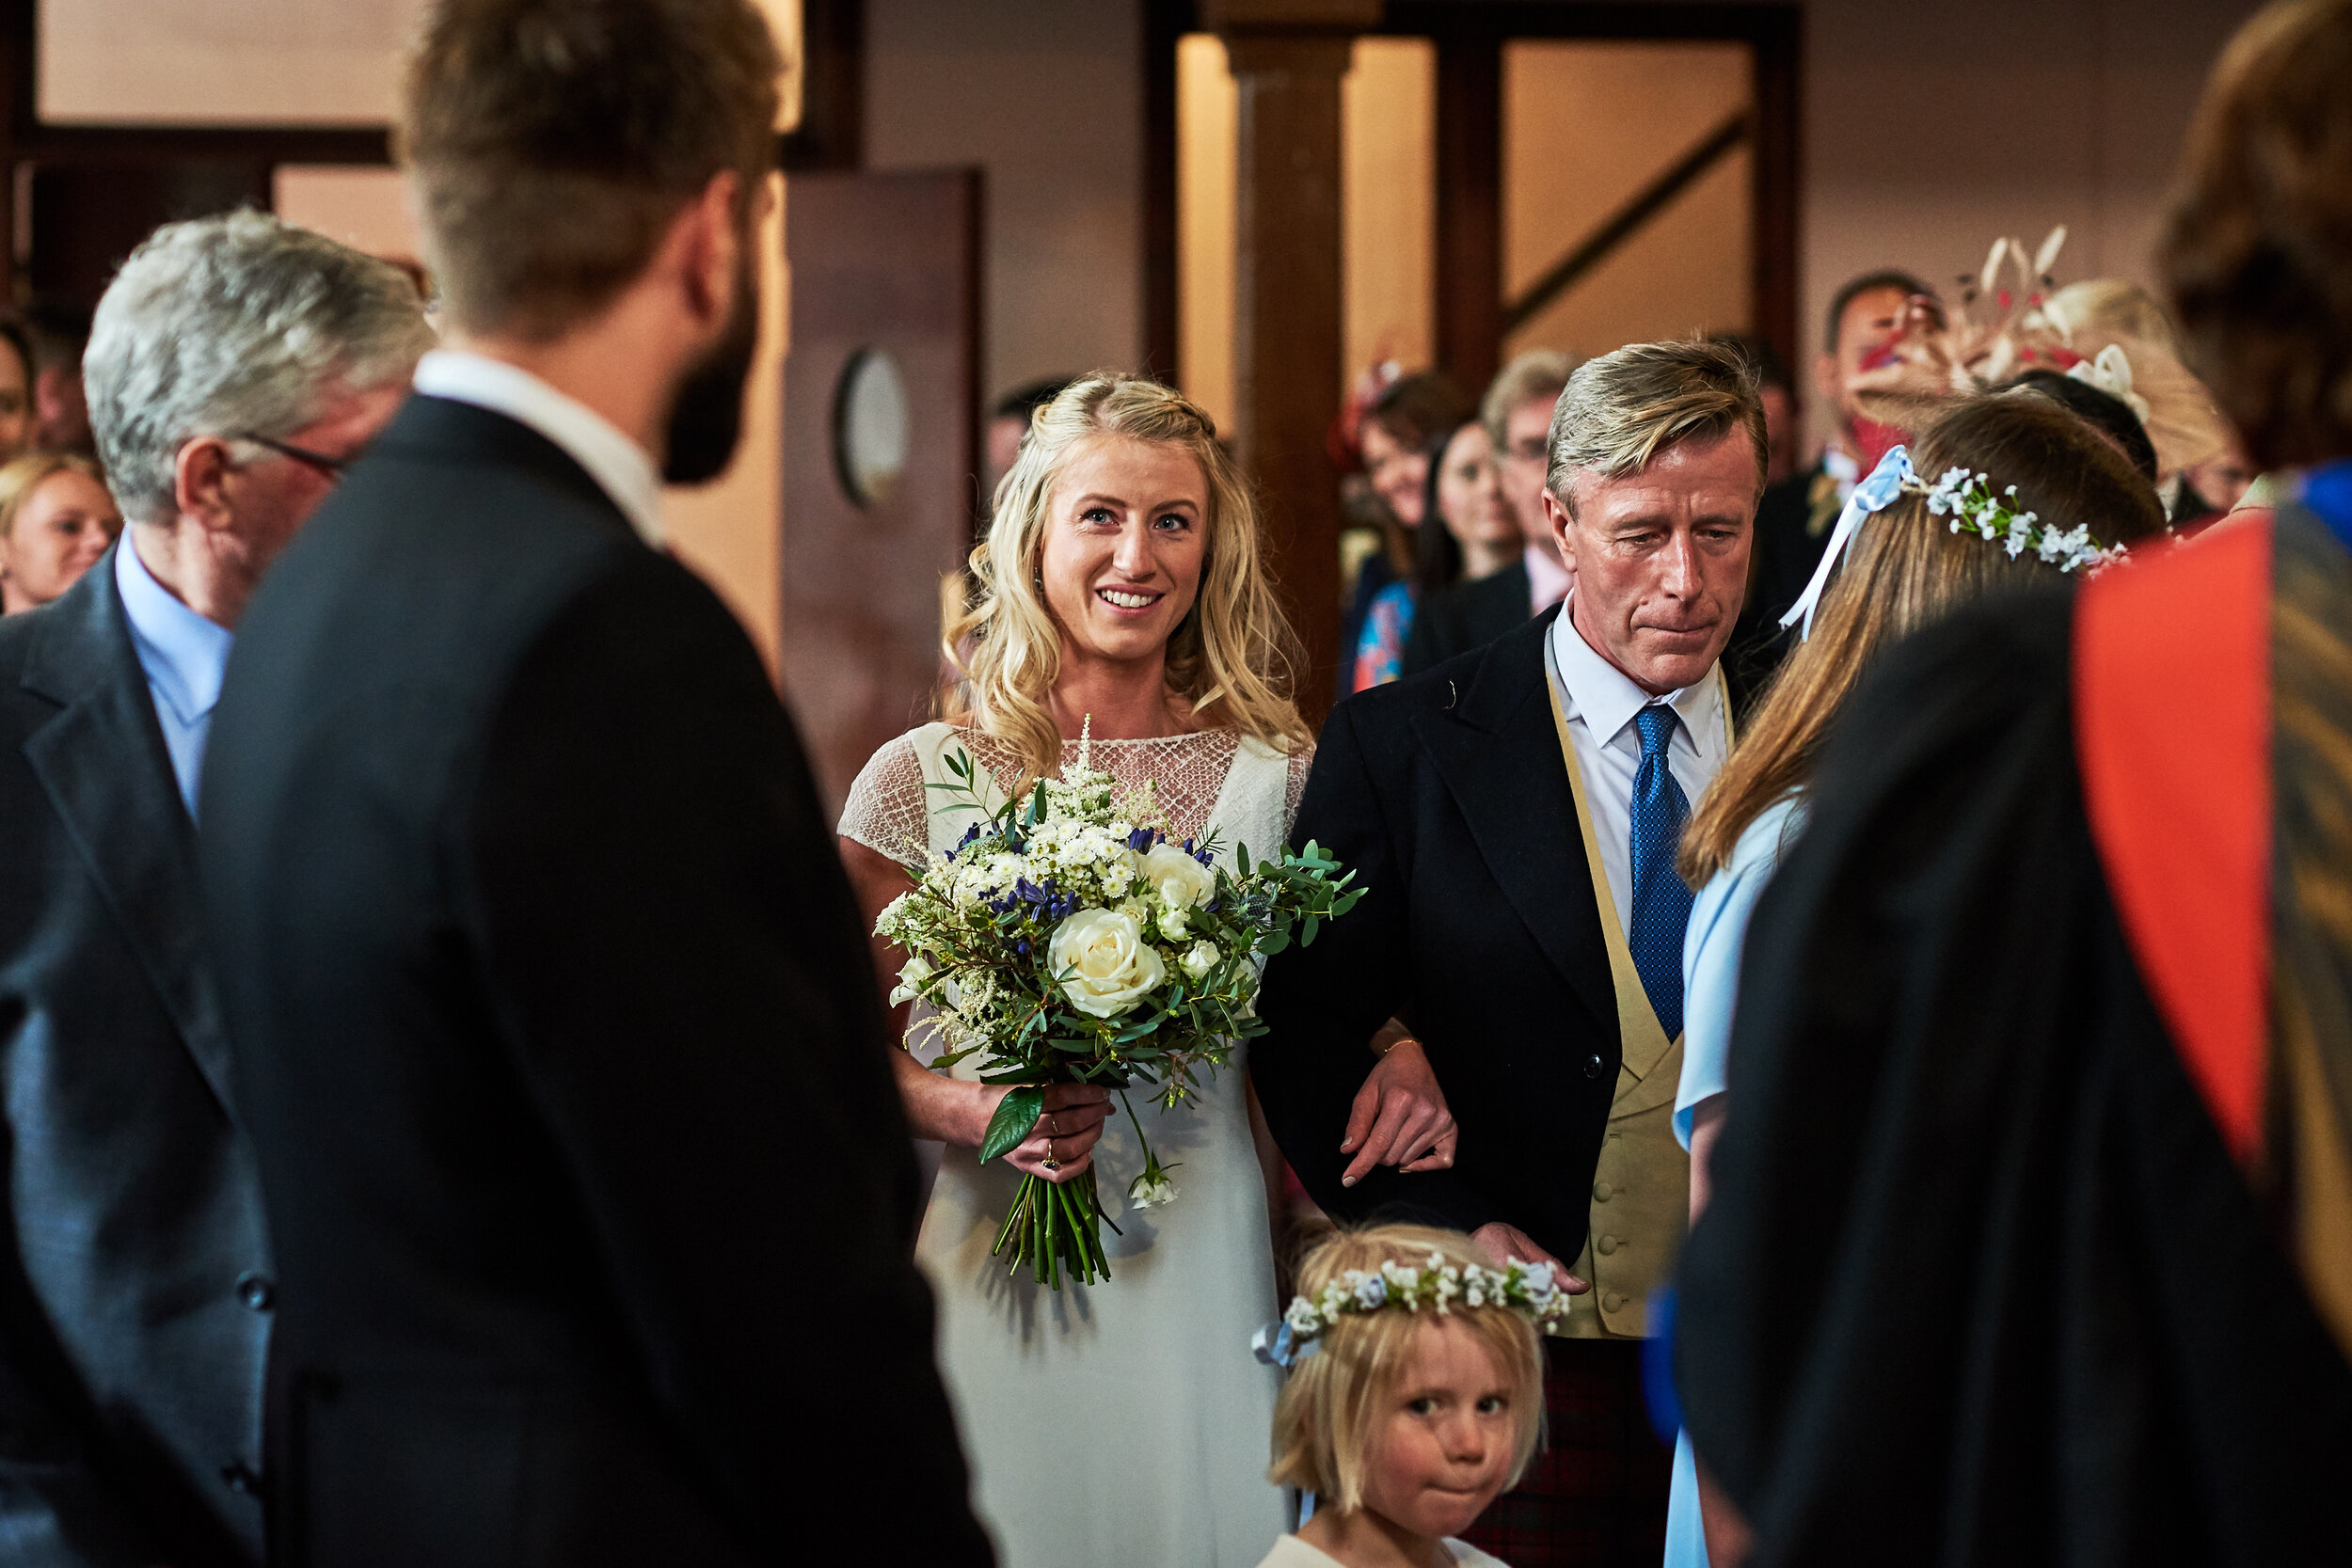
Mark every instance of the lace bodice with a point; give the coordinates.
(889, 811)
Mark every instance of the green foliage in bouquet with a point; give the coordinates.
(1068, 939)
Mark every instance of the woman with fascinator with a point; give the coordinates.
(2004, 491)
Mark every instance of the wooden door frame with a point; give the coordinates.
(1469, 35)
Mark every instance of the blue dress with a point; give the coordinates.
(1711, 984)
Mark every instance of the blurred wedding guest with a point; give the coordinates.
(1478, 537)
(59, 331)
(1007, 422)
(1395, 442)
(1516, 412)
(2026, 1240)
(2110, 416)
(1900, 568)
(20, 424)
(1122, 601)
(555, 1033)
(1514, 814)
(1865, 316)
(238, 363)
(55, 520)
(1784, 425)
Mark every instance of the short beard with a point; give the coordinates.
(706, 421)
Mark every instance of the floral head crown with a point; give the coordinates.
(1528, 1287)
(1968, 499)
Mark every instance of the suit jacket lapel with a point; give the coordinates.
(102, 764)
(1500, 757)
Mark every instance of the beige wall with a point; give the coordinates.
(1045, 95)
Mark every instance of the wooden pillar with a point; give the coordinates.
(1288, 57)
(1470, 204)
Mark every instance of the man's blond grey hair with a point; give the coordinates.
(1539, 372)
(1623, 409)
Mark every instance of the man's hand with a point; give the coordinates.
(1504, 1242)
(1399, 1117)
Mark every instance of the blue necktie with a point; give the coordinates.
(1661, 899)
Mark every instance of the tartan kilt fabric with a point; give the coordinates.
(1595, 1492)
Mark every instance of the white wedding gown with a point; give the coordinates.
(1126, 1423)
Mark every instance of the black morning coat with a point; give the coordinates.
(562, 1049)
(1446, 794)
(135, 1289)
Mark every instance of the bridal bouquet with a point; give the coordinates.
(1067, 939)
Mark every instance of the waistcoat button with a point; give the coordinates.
(1606, 1245)
(1593, 1066)
(1602, 1192)
(257, 1291)
(1613, 1302)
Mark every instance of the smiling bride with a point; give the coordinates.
(1120, 594)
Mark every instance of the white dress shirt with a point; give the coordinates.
(1600, 701)
(618, 465)
(184, 656)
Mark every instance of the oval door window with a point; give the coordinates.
(870, 426)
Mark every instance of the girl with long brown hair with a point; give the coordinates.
(2006, 492)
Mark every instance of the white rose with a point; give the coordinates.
(1110, 964)
(1179, 880)
(1201, 960)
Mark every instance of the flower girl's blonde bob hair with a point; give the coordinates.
(1231, 659)
(1335, 1399)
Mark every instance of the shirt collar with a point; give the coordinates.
(1606, 698)
(618, 465)
(1547, 582)
(1843, 467)
(184, 654)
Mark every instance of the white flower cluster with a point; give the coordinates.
(1967, 499)
(1528, 1287)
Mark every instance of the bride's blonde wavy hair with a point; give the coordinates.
(1231, 658)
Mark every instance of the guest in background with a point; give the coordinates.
(56, 518)
(136, 1289)
(1516, 412)
(2027, 1234)
(59, 331)
(556, 1040)
(1784, 423)
(1007, 422)
(1396, 441)
(20, 424)
(2108, 415)
(2215, 488)
(1903, 568)
(1478, 537)
(1865, 316)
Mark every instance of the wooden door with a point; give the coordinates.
(881, 450)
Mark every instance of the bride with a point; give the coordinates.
(1120, 593)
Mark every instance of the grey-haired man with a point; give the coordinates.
(235, 365)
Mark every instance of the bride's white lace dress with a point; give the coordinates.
(1124, 1423)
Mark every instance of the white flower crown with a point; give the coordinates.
(1968, 500)
(1528, 1287)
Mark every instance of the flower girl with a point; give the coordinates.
(1415, 1395)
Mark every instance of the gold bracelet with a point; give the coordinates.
(1403, 1039)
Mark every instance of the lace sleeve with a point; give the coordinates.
(1294, 788)
(887, 809)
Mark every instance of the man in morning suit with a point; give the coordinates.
(553, 1020)
(238, 363)
(1524, 918)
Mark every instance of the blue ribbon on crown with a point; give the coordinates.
(1874, 494)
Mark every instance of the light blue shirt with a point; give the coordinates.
(184, 656)
(1710, 953)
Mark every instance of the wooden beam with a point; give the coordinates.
(1470, 204)
(1777, 172)
(1288, 57)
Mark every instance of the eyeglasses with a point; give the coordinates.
(333, 467)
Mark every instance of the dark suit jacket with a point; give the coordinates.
(1447, 795)
(562, 1051)
(1785, 552)
(133, 1284)
(1467, 615)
